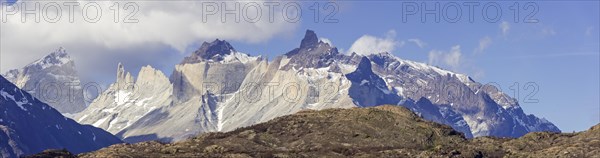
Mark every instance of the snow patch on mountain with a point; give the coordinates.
(238, 57)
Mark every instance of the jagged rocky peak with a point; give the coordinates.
(122, 76)
(312, 45)
(364, 72)
(59, 53)
(310, 39)
(55, 58)
(364, 66)
(217, 47)
(312, 53)
(148, 71)
(150, 75)
(213, 51)
(120, 71)
(368, 89)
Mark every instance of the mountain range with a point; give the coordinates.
(219, 89)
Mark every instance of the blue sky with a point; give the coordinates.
(560, 53)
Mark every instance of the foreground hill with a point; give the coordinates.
(382, 131)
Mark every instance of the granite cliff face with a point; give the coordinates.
(127, 101)
(220, 89)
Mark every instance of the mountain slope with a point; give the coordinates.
(28, 126)
(484, 110)
(52, 79)
(382, 131)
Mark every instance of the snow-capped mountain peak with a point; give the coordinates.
(54, 68)
(56, 58)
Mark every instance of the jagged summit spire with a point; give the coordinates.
(120, 71)
(312, 53)
(122, 76)
(310, 39)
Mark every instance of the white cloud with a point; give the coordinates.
(162, 25)
(484, 43)
(451, 59)
(418, 42)
(455, 61)
(504, 27)
(325, 40)
(368, 44)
